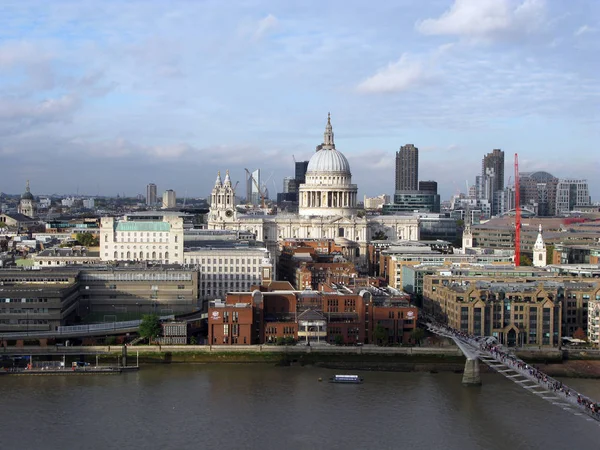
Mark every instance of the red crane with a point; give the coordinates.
(517, 214)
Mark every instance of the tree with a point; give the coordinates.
(150, 327)
(280, 340)
(87, 239)
(381, 335)
(379, 236)
(526, 260)
(417, 335)
(289, 340)
(549, 254)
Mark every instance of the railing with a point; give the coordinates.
(79, 329)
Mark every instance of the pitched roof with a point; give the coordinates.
(311, 314)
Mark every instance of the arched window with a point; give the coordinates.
(166, 255)
(141, 255)
(116, 255)
(153, 255)
(128, 255)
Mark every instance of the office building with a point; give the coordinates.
(570, 194)
(300, 172)
(492, 166)
(253, 195)
(517, 313)
(151, 194)
(538, 192)
(428, 186)
(371, 203)
(150, 236)
(407, 168)
(169, 199)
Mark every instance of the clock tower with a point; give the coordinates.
(222, 201)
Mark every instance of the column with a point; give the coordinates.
(471, 374)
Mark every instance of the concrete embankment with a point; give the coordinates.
(405, 359)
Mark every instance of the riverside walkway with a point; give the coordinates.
(525, 375)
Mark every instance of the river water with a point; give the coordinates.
(263, 407)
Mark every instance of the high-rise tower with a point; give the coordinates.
(407, 168)
(492, 166)
(151, 194)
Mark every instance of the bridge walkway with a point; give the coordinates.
(524, 375)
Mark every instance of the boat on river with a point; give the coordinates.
(346, 379)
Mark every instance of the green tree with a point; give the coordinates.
(549, 254)
(379, 236)
(526, 260)
(280, 340)
(289, 340)
(150, 327)
(2, 224)
(381, 335)
(87, 239)
(339, 339)
(417, 335)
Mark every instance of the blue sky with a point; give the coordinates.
(107, 96)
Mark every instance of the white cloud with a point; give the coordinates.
(400, 76)
(265, 26)
(487, 19)
(583, 30)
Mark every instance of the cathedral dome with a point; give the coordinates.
(27, 195)
(328, 160)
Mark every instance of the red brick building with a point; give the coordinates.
(336, 314)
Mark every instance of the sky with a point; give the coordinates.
(104, 97)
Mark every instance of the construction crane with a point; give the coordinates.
(260, 192)
(517, 214)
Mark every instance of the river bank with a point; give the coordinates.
(371, 358)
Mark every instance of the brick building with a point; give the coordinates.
(336, 314)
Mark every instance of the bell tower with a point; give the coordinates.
(539, 250)
(222, 202)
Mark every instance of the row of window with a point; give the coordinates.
(25, 300)
(23, 322)
(23, 311)
(230, 277)
(224, 261)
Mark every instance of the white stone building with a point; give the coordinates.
(327, 208)
(27, 204)
(229, 269)
(151, 236)
(539, 251)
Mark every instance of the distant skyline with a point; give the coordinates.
(105, 97)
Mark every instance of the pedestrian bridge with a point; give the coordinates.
(514, 369)
(96, 329)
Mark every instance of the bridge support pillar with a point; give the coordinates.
(124, 355)
(471, 374)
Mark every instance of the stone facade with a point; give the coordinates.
(327, 209)
(155, 238)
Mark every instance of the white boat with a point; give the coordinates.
(348, 379)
